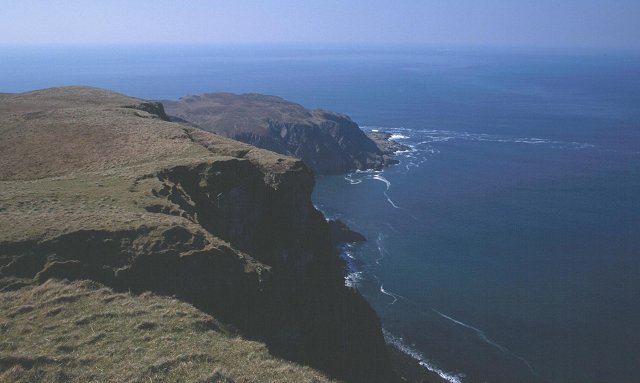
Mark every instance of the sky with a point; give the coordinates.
(545, 23)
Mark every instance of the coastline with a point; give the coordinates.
(412, 365)
(473, 135)
(407, 362)
(200, 217)
(386, 143)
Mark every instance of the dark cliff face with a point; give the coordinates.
(328, 142)
(224, 226)
(302, 310)
(286, 290)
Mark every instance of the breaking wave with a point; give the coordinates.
(401, 345)
(428, 136)
(352, 273)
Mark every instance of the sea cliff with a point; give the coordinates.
(328, 142)
(100, 186)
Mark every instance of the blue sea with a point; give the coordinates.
(505, 245)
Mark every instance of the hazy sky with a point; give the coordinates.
(586, 23)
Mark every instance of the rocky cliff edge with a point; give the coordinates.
(328, 142)
(101, 186)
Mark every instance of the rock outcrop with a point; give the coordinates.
(97, 185)
(385, 143)
(328, 142)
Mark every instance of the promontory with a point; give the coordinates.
(328, 142)
(137, 249)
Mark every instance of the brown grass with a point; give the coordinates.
(230, 114)
(74, 158)
(84, 332)
(82, 159)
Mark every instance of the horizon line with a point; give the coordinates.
(315, 45)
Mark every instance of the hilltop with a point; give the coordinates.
(328, 142)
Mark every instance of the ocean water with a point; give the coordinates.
(505, 246)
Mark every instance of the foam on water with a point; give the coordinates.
(401, 345)
(379, 177)
(385, 292)
(353, 279)
(358, 176)
(484, 337)
(353, 275)
(384, 253)
(428, 136)
(391, 202)
(478, 332)
(349, 178)
(381, 250)
(436, 135)
(423, 144)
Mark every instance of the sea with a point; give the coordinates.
(505, 245)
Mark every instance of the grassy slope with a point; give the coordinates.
(328, 142)
(84, 332)
(69, 155)
(78, 158)
(231, 114)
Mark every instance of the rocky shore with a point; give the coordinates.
(386, 145)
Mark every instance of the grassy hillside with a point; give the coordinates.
(328, 142)
(69, 155)
(99, 186)
(82, 331)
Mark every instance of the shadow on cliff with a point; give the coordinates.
(277, 279)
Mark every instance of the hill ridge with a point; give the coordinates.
(328, 142)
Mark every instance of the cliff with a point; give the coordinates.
(385, 143)
(328, 142)
(98, 186)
